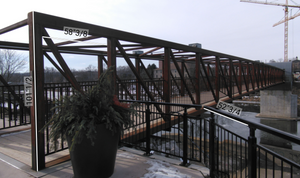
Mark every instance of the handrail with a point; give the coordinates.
(259, 126)
(164, 103)
(279, 156)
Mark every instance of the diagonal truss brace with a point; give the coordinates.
(127, 59)
(181, 76)
(61, 61)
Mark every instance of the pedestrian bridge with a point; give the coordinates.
(191, 77)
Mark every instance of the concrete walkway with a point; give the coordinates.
(130, 163)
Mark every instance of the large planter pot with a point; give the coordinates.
(95, 161)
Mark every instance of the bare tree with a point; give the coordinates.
(10, 63)
(280, 60)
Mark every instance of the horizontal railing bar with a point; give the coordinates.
(164, 103)
(259, 126)
(238, 136)
(279, 156)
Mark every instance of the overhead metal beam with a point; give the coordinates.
(13, 27)
(152, 50)
(77, 40)
(57, 23)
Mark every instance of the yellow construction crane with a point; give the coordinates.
(285, 20)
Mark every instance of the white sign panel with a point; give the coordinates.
(76, 31)
(28, 91)
(229, 108)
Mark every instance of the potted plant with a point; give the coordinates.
(91, 122)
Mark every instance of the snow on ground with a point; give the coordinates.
(127, 155)
(160, 169)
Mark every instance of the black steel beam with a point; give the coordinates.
(58, 23)
(13, 26)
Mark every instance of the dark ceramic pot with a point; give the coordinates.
(95, 161)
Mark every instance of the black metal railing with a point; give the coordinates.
(173, 133)
(13, 113)
(53, 92)
(235, 156)
(168, 128)
(201, 139)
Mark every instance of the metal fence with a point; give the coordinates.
(171, 133)
(167, 128)
(201, 139)
(13, 113)
(54, 92)
(235, 156)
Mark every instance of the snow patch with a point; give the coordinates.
(126, 155)
(160, 169)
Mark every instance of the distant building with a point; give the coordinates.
(158, 72)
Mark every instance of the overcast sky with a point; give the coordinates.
(227, 26)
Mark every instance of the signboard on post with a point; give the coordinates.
(229, 108)
(28, 99)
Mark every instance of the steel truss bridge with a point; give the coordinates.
(215, 76)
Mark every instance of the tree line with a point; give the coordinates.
(11, 63)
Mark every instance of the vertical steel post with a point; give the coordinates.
(112, 59)
(269, 75)
(260, 75)
(252, 155)
(256, 72)
(197, 75)
(212, 165)
(167, 80)
(253, 76)
(247, 75)
(148, 130)
(182, 84)
(230, 79)
(264, 70)
(240, 77)
(137, 84)
(205, 142)
(217, 80)
(37, 110)
(100, 65)
(185, 138)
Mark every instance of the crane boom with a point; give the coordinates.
(285, 21)
(270, 3)
(290, 18)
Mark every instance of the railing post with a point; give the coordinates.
(204, 142)
(148, 130)
(212, 165)
(185, 138)
(252, 155)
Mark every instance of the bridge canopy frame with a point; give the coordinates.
(213, 70)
